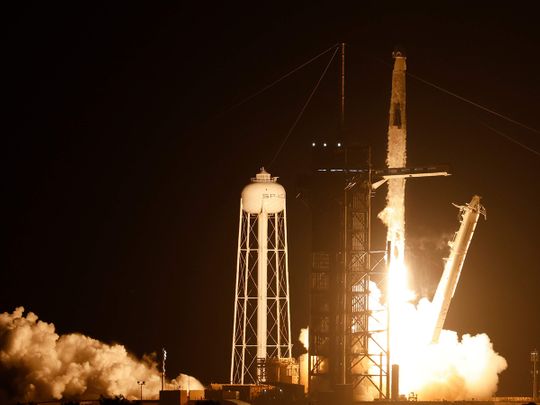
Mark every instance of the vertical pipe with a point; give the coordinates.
(262, 283)
(278, 282)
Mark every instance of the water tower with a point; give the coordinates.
(261, 343)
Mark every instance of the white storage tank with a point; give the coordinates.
(262, 326)
(263, 192)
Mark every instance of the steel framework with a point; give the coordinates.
(368, 349)
(348, 341)
(247, 363)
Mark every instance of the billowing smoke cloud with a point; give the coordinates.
(38, 364)
(452, 369)
(455, 369)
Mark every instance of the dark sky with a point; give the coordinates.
(123, 163)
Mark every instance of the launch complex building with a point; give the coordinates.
(349, 356)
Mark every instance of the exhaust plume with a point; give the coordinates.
(451, 368)
(37, 364)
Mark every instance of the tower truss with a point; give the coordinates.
(365, 269)
(261, 329)
(348, 343)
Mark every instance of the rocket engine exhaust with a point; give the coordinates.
(434, 363)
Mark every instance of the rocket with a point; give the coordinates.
(397, 100)
(397, 158)
(452, 270)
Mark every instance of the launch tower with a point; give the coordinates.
(349, 350)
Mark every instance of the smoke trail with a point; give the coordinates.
(38, 364)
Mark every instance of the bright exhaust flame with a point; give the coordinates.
(453, 368)
(38, 364)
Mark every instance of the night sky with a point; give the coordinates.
(123, 161)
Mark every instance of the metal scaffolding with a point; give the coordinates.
(368, 353)
(261, 328)
(348, 348)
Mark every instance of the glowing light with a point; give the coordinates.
(451, 369)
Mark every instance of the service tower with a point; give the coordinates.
(261, 343)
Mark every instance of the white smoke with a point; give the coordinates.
(453, 369)
(38, 364)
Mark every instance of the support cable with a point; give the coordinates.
(268, 86)
(291, 129)
(477, 105)
(508, 137)
(504, 117)
(466, 100)
(511, 139)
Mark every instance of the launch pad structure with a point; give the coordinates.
(348, 347)
(342, 270)
(349, 351)
(350, 328)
